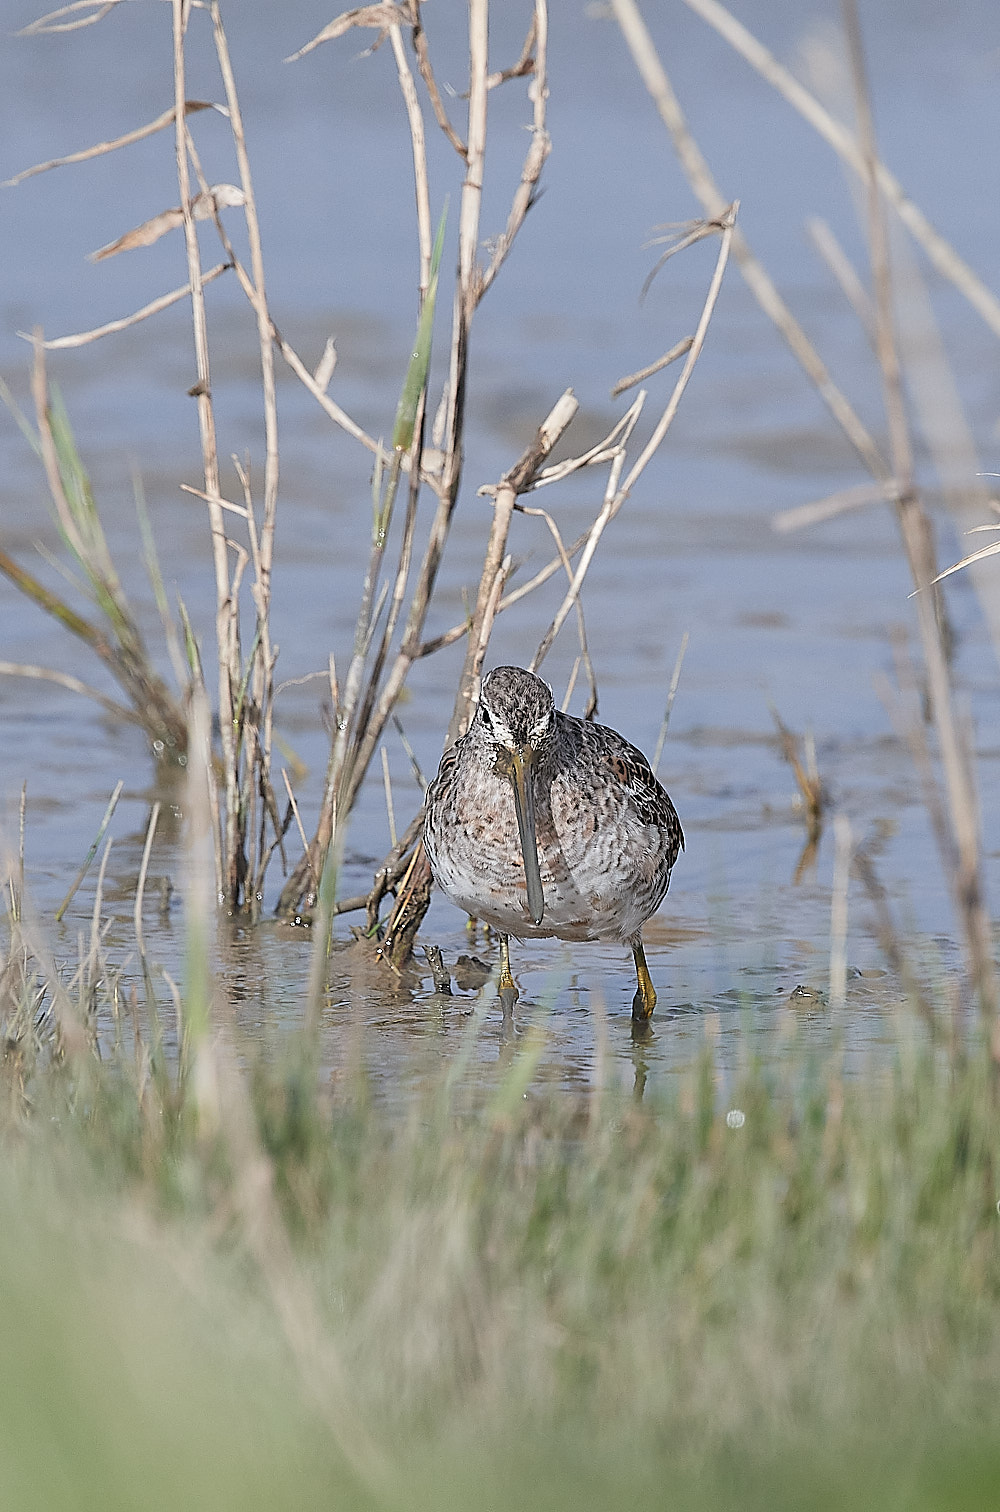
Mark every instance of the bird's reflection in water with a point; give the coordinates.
(641, 1040)
(640, 1061)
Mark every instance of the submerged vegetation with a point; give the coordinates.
(236, 1278)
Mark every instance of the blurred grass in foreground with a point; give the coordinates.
(536, 1301)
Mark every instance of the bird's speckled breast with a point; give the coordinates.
(607, 838)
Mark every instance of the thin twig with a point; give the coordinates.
(81, 338)
(92, 852)
(671, 695)
(138, 135)
(617, 493)
(679, 350)
(140, 892)
(759, 282)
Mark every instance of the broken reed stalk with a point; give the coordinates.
(806, 776)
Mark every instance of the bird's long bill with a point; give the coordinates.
(521, 762)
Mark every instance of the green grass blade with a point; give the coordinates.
(420, 361)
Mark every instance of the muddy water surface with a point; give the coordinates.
(801, 621)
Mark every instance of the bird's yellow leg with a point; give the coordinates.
(645, 994)
(506, 982)
(506, 987)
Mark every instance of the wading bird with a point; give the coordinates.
(542, 824)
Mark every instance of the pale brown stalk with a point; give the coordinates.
(759, 282)
(81, 338)
(617, 492)
(418, 138)
(228, 882)
(917, 538)
(100, 148)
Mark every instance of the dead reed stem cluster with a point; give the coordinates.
(248, 822)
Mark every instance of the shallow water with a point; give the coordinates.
(801, 621)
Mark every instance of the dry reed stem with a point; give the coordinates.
(329, 406)
(603, 451)
(846, 275)
(973, 557)
(298, 817)
(678, 240)
(843, 844)
(681, 349)
(933, 394)
(96, 930)
(806, 777)
(758, 280)
(47, 23)
(376, 17)
(842, 502)
(73, 684)
(92, 852)
(918, 542)
(616, 494)
(515, 481)
(888, 938)
(584, 657)
(915, 537)
(140, 893)
(942, 255)
(81, 338)
(390, 808)
(418, 139)
(418, 38)
(525, 63)
(908, 723)
(100, 148)
(264, 561)
(380, 700)
(227, 880)
(671, 695)
(539, 147)
(725, 223)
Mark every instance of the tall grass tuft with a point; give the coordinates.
(781, 1293)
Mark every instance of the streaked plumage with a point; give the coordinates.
(606, 833)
